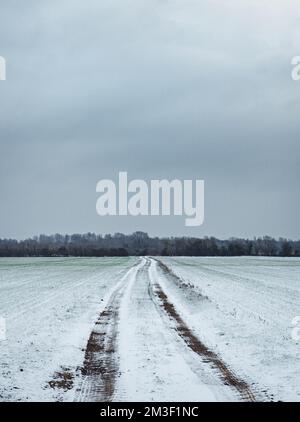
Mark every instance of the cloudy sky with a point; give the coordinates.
(161, 89)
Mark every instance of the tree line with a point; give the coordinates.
(140, 244)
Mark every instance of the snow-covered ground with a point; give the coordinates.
(50, 305)
(246, 315)
(161, 329)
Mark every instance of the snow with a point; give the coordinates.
(246, 316)
(242, 308)
(50, 305)
(152, 368)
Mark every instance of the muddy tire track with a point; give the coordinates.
(208, 356)
(101, 363)
(191, 292)
(100, 367)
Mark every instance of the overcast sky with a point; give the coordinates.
(161, 89)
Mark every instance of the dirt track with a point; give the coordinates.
(227, 376)
(140, 307)
(101, 363)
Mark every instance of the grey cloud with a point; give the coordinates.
(160, 89)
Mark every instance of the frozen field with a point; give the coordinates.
(167, 329)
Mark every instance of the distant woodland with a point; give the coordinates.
(139, 243)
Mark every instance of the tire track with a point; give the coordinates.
(101, 362)
(225, 373)
(153, 363)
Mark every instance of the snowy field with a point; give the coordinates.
(166, 329)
